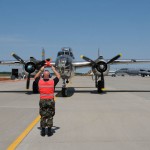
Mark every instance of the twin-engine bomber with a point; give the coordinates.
(66, 65)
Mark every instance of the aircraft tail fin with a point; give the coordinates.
(43, 54)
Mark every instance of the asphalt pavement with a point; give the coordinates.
(118, 119)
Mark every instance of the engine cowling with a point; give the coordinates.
(100, 67)
(30, 67)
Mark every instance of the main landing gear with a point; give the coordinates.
(64, 88)
(100, 84)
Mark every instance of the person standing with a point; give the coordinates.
(46, 87)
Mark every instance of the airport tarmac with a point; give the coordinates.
(85, 120)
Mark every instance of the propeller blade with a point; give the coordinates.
(42, 63)
(114, 58)
(88, 59)
(18, 58)
(33, 59)
(28, 81)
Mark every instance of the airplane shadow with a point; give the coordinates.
(73, 90)
(70, 92)
(54, 128)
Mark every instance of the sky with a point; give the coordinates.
(113, 26)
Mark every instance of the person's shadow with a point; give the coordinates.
(53, 129)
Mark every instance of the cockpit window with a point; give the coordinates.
(66, 53)
(60, 53)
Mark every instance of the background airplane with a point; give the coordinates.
(130, 71)
(66, 65)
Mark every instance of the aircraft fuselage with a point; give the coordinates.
(64, 62)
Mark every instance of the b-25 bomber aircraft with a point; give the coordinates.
(66, 65)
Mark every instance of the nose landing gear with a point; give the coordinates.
(64, 88)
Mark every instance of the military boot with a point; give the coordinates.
(43, 132)
(49, 131)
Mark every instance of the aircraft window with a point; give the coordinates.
(60, 53)
(71, 54)
(66, 53)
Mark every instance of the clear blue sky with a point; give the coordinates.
(114, 26)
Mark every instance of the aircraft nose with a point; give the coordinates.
(62, 62)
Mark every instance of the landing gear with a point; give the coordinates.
(35, 87)
(64, 92)
(100, 84)
(64, 88)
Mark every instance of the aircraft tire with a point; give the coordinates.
(100, 86)
(35, 87)
(64, 92)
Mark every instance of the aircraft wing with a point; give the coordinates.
(53, 63)
(10, 63)
(131, 61)
(81, 64)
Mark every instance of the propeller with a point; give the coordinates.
(30, 68)
(101, 66)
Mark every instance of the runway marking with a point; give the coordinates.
(7, 80)
(17, 80)
(24, 133)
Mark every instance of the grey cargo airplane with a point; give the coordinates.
(65, 64)
(130, 71)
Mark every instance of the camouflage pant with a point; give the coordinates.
(47, 111)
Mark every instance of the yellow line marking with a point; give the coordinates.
(23, 134)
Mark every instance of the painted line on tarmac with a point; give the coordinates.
(24, 133)
(16, 80)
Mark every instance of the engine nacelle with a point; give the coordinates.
(30, 67)
(100, 67)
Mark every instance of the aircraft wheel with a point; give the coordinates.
(100, 86)
(64, 92)
(35, 87)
